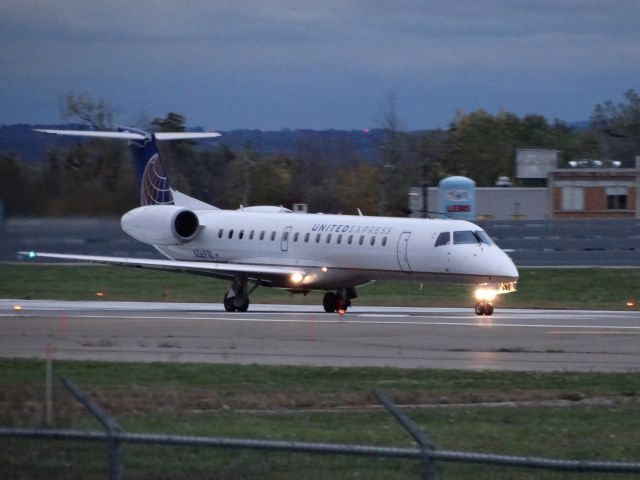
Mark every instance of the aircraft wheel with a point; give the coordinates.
(480, 308)
(241, 303)
(488, 310)
(342, 304)
(329, 302)
(229, 304)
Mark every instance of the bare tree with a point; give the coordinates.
(97, 114)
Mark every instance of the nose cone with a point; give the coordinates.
(506, 268)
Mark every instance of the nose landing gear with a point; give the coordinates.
(484, 308)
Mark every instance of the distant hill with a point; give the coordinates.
(31, 147)
(581, 125)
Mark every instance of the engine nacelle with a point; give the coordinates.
(162, 225)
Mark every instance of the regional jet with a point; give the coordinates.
(271, 246)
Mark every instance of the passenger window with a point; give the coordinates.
(241, 234)
(350, 240)
(329, 238)
(361, 240)
(285, 236)
(262, 235)
(372, 242)
(220, 232)
(230, 233)
(339, 240)
(443, 239)
(273, 236)
(306, 238)
(384, 241)
(318, 238)
(464, 237)
(251, 234)
(295, 236)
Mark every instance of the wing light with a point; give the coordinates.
(297, 277)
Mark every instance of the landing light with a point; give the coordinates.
(485, 294)
(32, 254)
(296, 277)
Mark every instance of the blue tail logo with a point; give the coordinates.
(151, 176)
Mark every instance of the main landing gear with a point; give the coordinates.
(237, 298)
(339, 301)
(484, 308)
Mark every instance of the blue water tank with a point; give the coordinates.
(457, 198)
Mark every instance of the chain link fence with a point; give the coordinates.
(153, 455)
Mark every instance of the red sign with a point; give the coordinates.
(458, 208)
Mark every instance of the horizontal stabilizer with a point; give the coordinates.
(132, 135)
(185, 135)
(93, 133)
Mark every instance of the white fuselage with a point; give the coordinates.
(341, 251)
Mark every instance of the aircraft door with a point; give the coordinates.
(403, 258)
(284, 242)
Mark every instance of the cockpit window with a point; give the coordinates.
(469, 237)
(483, 237)
(464, 237)
(443, 239)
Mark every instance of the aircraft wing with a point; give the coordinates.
(204, 268)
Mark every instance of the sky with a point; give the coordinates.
(275, 64)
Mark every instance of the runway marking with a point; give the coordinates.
(595, 333)
(481, 322)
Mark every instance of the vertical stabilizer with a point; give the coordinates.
(151, 176)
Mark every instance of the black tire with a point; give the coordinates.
(329, 302)
(480, 308)
(341, 304)
(228, 303)
(242, 304)
(489, 309)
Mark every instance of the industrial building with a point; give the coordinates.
(587, 189)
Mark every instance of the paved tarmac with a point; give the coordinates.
(527, 340)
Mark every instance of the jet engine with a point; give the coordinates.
(162, 225)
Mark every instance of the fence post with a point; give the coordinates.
(427, 464)
(48, 396)
(115, 454)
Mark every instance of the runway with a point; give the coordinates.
(526, 340)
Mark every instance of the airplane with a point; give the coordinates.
(271, 246)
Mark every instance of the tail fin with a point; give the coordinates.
(151, 176)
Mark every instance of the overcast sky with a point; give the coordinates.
(330, 64)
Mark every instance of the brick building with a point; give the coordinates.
(594, 192)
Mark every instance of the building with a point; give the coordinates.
(594, 191)
(498, 203)
(591, 189)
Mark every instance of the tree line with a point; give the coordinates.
(95, 177)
